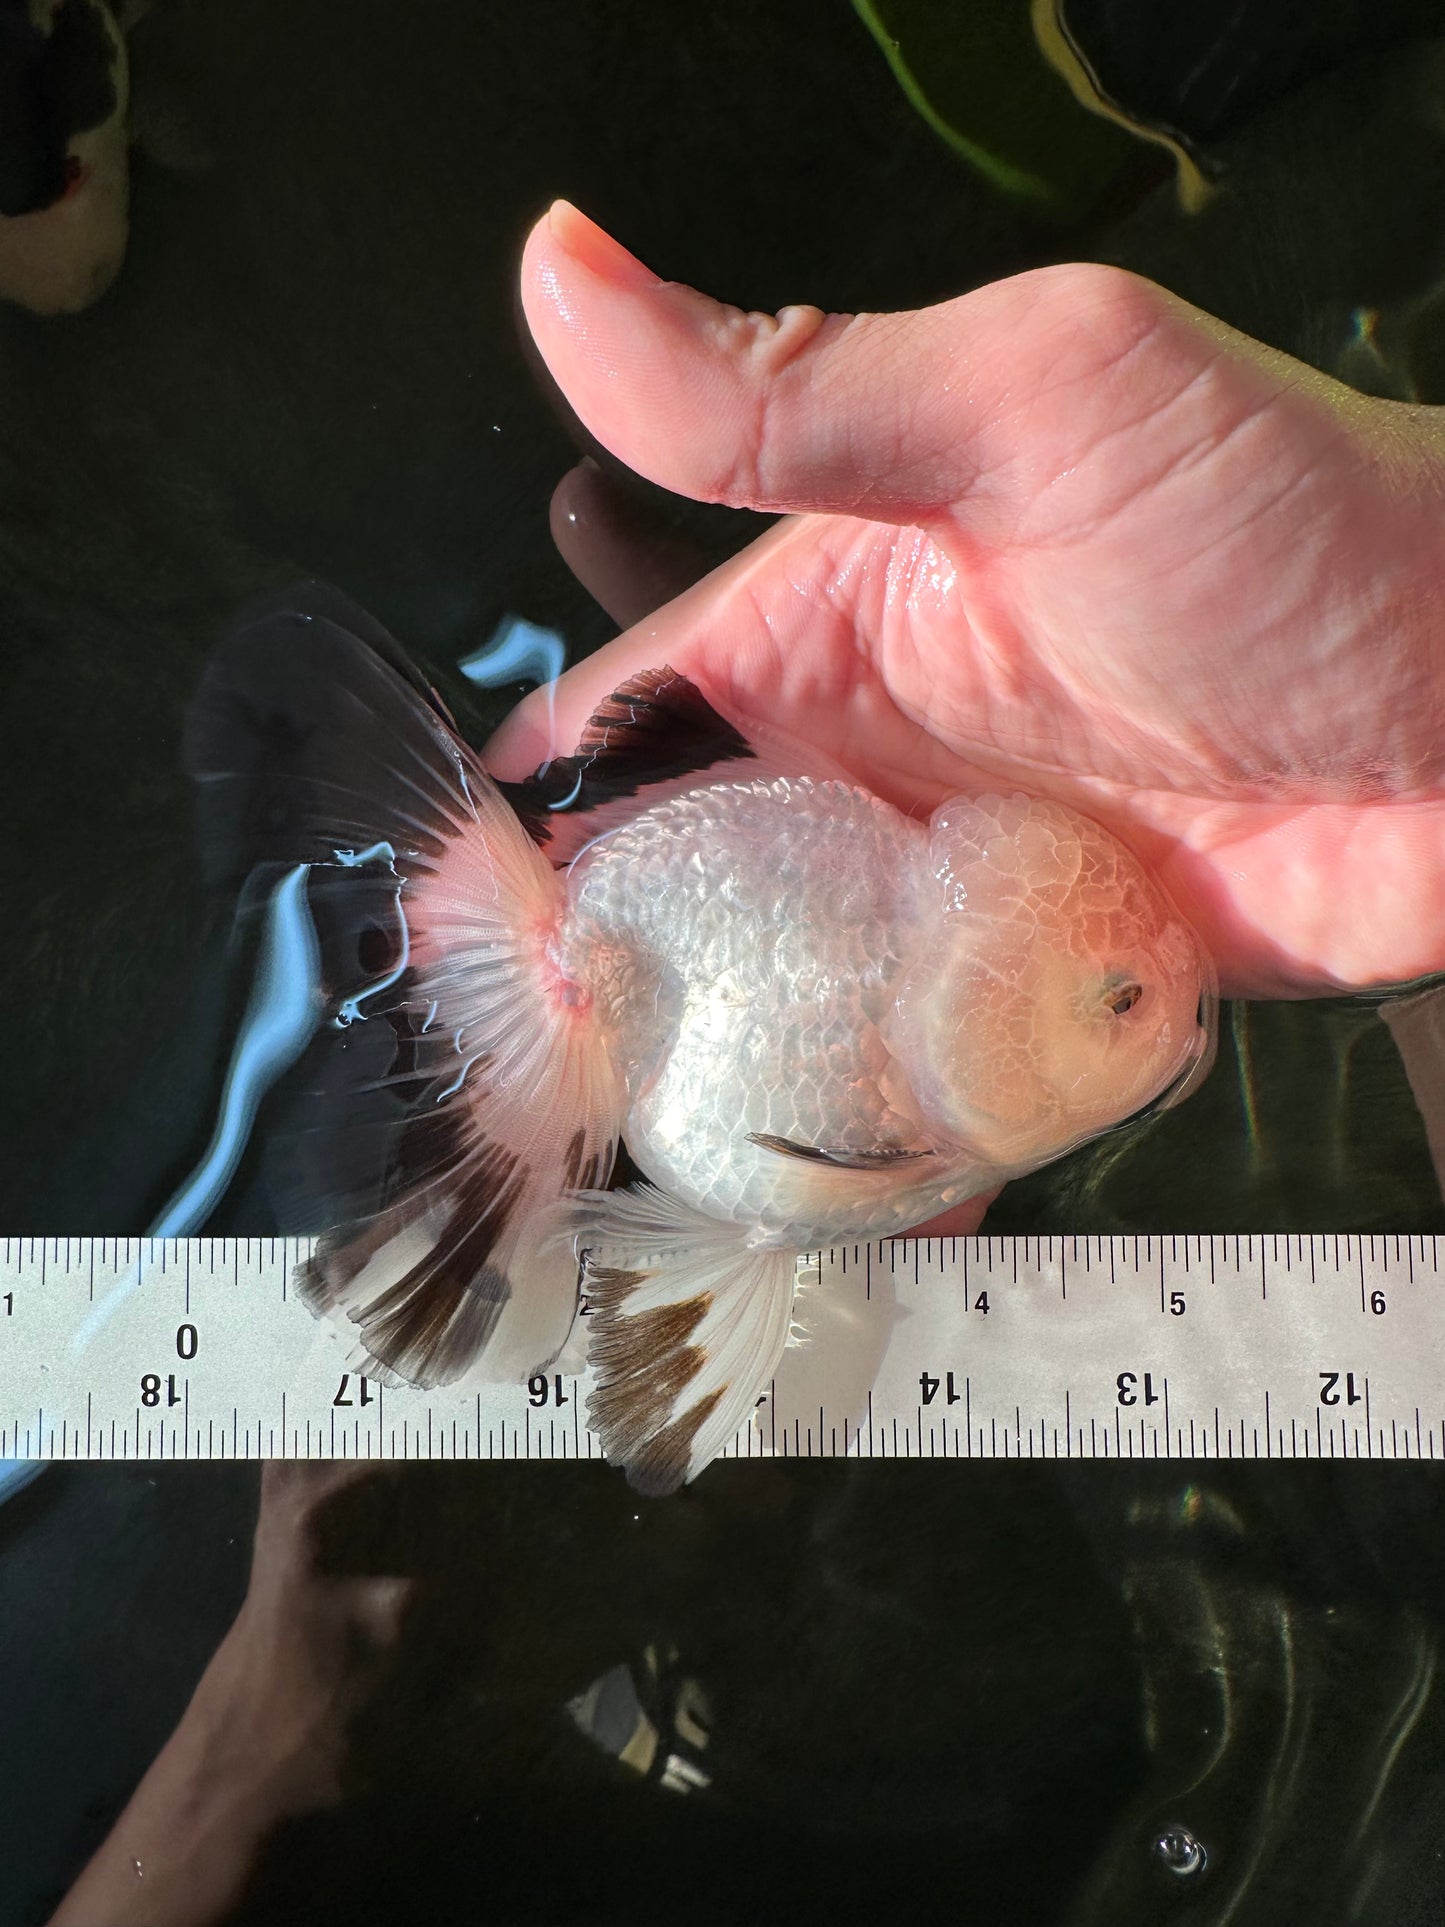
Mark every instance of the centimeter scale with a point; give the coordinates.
(1152, 1347)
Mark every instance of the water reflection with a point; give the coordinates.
(1290, 1712)
(815, 1675)
(830, 1679)
(650, 1720)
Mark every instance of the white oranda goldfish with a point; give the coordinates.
(808, 1016)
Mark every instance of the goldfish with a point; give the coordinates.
(808, 1017)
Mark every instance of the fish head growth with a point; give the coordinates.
(1055, 991)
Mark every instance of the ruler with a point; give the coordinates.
(986, 1348)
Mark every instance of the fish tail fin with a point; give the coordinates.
(687, 1322)
(458, 1085)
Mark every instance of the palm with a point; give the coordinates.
(1115, 553)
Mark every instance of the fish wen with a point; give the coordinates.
(809, 1016)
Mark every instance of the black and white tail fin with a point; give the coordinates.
(457, 1087)
(687, 1324)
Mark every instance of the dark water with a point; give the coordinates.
(919, 1692)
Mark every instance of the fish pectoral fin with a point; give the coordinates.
(687, 1324)
(888, 1157)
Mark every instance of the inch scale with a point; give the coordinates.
(1108, 1348)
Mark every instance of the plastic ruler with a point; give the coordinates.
(1153, 1347)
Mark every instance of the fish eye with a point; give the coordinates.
(1121, 997)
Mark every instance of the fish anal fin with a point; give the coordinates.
(667, 1461)
(688, 1323)
(644, 1363)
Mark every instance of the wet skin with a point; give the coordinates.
(1066, 533)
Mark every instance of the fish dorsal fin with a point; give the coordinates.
(657, 725)
(686, 1325)
(654, 735)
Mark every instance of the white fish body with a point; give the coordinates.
(808, 1016)
(742, 945)
(755, 954)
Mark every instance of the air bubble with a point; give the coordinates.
(1182, 1852)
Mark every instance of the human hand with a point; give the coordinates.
(267, 1733)
(307, 1648)
(1065, 533)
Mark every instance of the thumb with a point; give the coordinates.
(897, 417)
